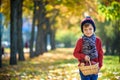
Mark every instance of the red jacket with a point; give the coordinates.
(80, 56)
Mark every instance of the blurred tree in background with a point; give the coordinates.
(111, 11)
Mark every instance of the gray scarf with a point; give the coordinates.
(89, 46)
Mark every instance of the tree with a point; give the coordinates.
(33, 30)
(17, 24)
(19, 31)
(40, 41)
(13, 32)
(111, 12)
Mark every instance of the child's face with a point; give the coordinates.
(88, 30)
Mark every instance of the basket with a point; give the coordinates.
(89, 69)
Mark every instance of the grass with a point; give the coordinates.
(58, 64)
(111, 68)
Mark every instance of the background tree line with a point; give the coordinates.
(52, 16)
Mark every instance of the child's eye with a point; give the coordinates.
(85, 29)
(90, 28)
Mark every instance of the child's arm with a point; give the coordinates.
(100, 54)
(78, 50)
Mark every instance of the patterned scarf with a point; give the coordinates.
(89, 46)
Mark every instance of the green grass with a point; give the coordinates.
(56, 65)
(111, 68)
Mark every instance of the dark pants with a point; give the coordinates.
(89, 77)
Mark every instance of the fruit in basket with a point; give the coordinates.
(82, 64)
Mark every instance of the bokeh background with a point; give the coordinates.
(38, 38)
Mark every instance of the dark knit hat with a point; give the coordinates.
(88, 19)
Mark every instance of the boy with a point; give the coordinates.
(89, 47)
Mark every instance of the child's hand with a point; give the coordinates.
(87, 58)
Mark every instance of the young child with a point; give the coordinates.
(89, 47)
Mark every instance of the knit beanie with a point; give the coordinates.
(88, 19)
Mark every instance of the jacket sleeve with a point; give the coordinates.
(100, 54)
(78, 50)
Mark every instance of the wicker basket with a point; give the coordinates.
(89, 69)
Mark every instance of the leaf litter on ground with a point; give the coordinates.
(57, 64)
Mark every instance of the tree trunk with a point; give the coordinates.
(51, 33)
(52, 40)
(13, 32)
(19, 32)
(52, 29)
(107, 47)
(119, 57)
(47, 32)
(0, 40)
(40, 41)
(33, 31)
